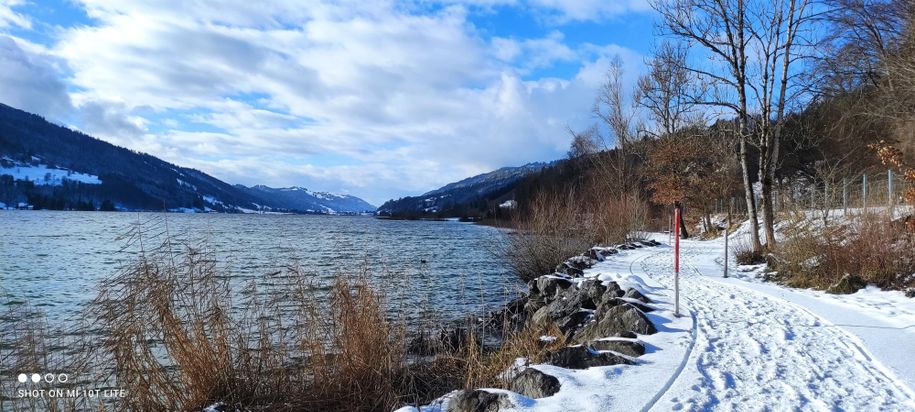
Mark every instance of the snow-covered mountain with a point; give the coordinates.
(304, 200)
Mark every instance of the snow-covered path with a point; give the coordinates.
(755, 351)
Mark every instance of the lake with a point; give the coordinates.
(56, 260)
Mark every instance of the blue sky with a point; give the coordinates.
(377, 99)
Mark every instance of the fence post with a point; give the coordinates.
(677, 262)
(845, 196)
(889, 189)
(864, 192)
(726, 236)
(813, 197)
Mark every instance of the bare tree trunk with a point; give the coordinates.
(748, 195)
(683, 233)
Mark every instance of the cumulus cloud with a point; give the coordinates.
(371, 98)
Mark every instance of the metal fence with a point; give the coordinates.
(865, 192)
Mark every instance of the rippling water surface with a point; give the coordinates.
(56, 260)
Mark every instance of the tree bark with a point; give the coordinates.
(683, 233)
(748, 196)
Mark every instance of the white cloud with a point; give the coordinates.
(9, 18)
(31, 81)
(365, 98)
(594, 10)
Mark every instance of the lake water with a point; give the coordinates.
(56, 260)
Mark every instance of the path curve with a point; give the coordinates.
(759, 352)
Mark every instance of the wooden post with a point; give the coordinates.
(677, 262)
(864, 192)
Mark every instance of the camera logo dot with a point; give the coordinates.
(48, 377)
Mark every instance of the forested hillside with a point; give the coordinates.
(46, 166)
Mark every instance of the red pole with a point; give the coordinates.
(677, 262)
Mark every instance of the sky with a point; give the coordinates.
(377, 99)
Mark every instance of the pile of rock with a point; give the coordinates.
(601, 321)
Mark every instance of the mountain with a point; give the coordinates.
(472, 196)
(52, 167)
(302, 199)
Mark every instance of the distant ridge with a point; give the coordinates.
(46, 166)
(467, 197)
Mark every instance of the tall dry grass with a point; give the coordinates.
(869, 247)
(179, 339)
(557, 225)
(553, 228)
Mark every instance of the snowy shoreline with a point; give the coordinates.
(742, 342)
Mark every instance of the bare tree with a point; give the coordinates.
(619, 116)
(585, 143)
(664, 90)
(750, 45)
(611, 108)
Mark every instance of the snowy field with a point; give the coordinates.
(743, 344)
(42, 174)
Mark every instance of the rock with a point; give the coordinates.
(580, 262)
(574, 267)
(620, 318)
(613, 302)
(572, 271)
(534, 304)
(626, 334)
(626, 347)
(581, 357)
(635, 294)
(605, 305)
(594, 291)
(550, 285)
(847, 285)
(535, 384)
(557, 310)
(613, 291)
(478, 401)
(595, 255)
(910, 293)
(570, 324)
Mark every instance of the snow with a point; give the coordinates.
(183, 183)
(743, 344)
(42, 174)
(758, 348)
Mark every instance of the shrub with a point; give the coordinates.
(746, 254)
(869, 248)
(552, 230)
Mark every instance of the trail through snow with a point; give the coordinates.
(756, 351)
(742, 345)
